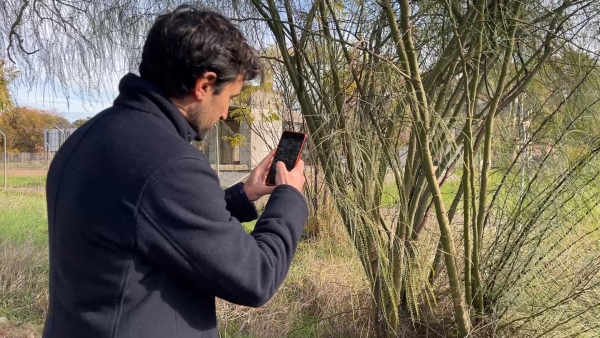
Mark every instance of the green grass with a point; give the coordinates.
(24, 181)
(23, 256)
(307, 297)
(23, 217)
(23, 252)
(449, 189)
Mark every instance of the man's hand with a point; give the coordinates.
(295, 177)
(255, 186)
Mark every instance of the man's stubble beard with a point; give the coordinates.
(194, 118)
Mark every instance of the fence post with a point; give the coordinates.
(5, 160)
(60, 141)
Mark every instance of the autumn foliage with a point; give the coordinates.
(24, 128)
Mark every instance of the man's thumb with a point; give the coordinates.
(281, 166)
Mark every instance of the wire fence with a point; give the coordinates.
(233, 163)
(27, 160)
(36, 164)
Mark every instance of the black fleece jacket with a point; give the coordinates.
(143, 238)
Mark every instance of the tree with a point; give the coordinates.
(78, 45)
(78, 123)
(7, 75)
(24, 128)
(442, 73)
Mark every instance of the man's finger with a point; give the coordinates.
(281, 166)
(267, 160)
(267, 190)
(299, 166)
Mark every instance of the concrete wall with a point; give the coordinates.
(266, 130)
(229, 153)
(246, 149)
(263, 141)
(262, 136)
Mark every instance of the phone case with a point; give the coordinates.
(279, 144)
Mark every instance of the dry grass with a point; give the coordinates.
(23, 288)
(23, 264)
(325, 295)
(20, 331)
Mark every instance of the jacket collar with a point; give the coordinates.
(137, 93)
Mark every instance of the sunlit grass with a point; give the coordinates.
(23, 182)
(23, 217)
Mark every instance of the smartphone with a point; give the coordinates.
(288, 151)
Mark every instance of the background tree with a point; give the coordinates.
(24, 128)
(7, 75)
(78, 123)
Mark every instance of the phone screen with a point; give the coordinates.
(287, 152)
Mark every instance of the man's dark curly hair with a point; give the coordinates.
(186, 43)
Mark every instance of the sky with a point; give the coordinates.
(71, 108)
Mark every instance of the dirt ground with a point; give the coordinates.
(20, 331)
(27, 172)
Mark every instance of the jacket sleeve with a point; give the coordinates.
(239, 205)
(184, 228)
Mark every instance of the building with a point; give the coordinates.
(54, 138)
(248, 134)
(238, 144)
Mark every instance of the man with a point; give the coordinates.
(142, 237)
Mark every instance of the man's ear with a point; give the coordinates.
(205, 85)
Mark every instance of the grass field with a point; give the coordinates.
(326, 279)
(325, 294)
(23, 259)
(25, 181)
(449, 189)
(23, 217)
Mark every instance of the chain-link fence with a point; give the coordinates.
(27, 160)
